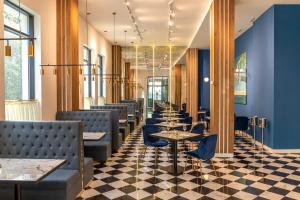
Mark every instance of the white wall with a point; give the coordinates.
(99, 45)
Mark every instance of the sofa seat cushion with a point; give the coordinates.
(60, 178)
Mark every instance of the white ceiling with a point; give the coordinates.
(152, 18)
(245, 12)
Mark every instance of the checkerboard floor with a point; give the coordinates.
(248, 175)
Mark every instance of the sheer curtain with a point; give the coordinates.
(23, 110)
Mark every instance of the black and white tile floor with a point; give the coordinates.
(245, 176)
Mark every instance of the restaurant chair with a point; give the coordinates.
(151, 121)
(155, 115)
(205, 152)
(241, 123)
(197, 129)
(151, 141)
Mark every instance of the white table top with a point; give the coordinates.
(169, 119)
(122, 121)
(93, 135)
(26, 170)
(172, 125)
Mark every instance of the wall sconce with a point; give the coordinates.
(206, 79)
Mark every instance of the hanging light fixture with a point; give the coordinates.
(31, 49)
(7, 49)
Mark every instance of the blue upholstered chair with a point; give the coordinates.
(151, 121)
(156, 115)
(205, 151)
(241, 123)
(152, 141)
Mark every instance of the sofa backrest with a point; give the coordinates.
(93, 121)
(131, 107)
(43, 140)
(122, 109)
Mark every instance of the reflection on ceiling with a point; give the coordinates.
(145, 56)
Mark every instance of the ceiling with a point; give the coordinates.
(246, 11)
(152, 17)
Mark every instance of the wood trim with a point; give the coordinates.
(67, 53)
(178, 80)
(192, 82)
(127, 76)
(221, 69)
(116, 69)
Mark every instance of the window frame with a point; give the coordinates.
(31, 63)
(89, 66)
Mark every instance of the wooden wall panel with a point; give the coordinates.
(67, 53)
(127, 78)
(178, 78)
(222, 73)
(192, 82)
(116, 69)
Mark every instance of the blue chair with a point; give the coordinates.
(151, 121)
(152, 141)
(241, 123)
(156, 115)
(205, 151)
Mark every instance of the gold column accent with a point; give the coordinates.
(67, 53)
(192, 82)
(221, 73)
(131, 88)
(127, 79)
(116, 69)
(177, 88)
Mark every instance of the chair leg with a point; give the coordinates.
(144, 154)
(187, 157)
(200, 168)
(156, 153)
(212, 163)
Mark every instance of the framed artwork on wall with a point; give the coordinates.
(240, 79)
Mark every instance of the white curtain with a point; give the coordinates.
(101, 101)
(88, 102)
(23, 110)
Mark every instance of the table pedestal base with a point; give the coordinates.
(170, 170)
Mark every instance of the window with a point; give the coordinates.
(100, 75)
(87, 72)
(19, 68)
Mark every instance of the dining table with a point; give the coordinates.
(170, 119)
(174, 137)
(172, 125)
(26, 171)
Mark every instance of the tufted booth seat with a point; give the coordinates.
(138, 108)
(123, 114)
(45, 140)
(116, 135)
(97, 121)
(131, 107)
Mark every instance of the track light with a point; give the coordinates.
(7, 49)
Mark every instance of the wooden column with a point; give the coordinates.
(116, 69)
(131, 88)
(192, 82)
(67, 53)
(221, 73)
(177, 77)
(127, 79)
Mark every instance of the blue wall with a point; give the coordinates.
(203, 71)
(273, 48)
(287, 72)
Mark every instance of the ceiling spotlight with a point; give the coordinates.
(127, 3)
(171, 23)
(173, 14)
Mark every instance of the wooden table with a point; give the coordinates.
(172, 125)
(174, 137)
(170, 119)
(25, 171)
(93, 135)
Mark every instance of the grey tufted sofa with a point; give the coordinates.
(122, 113)
(45, 140)
(116, 135)
(97, 121)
